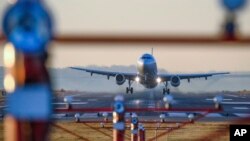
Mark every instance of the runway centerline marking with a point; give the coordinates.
(226, 99)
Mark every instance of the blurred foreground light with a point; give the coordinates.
(9, 55)
(30, 103)
(233, 5)
(119, 107)
(118, 118)
(9, 83)
(158, 80)
(10, 124)
(134, 119)
(28, 26)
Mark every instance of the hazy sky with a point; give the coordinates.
(170, 17)
(173, 58)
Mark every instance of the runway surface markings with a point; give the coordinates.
(214, 115)
(177, 114)
(58, 115)
(242, 115)
(231, 95)
(107, 96)
(241, 108)
(76, 100)
(80, 103)
(89, 115)
(243, 103)
(57, 103)
(93, 99)
(227, 99)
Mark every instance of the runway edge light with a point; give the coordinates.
(118, 118)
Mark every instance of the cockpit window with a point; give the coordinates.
(146, 56)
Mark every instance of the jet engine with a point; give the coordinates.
(120, 79)
(175, 81)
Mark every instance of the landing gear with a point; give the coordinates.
(129, 88)
(166, 89)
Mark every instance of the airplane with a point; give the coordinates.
(147, 75)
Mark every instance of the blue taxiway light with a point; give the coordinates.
(233, 5)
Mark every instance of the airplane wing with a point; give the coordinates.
(167, 77)
(129, 76)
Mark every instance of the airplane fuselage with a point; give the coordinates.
(147, 71)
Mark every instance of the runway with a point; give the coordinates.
(235, 109)
(235, 106)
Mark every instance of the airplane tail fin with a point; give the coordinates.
(152, 51)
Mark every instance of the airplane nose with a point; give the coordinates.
(146, 63)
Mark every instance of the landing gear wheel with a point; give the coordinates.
(163, 91)
(127, 90)
(168, 91)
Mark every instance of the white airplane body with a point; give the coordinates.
(147, 75)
